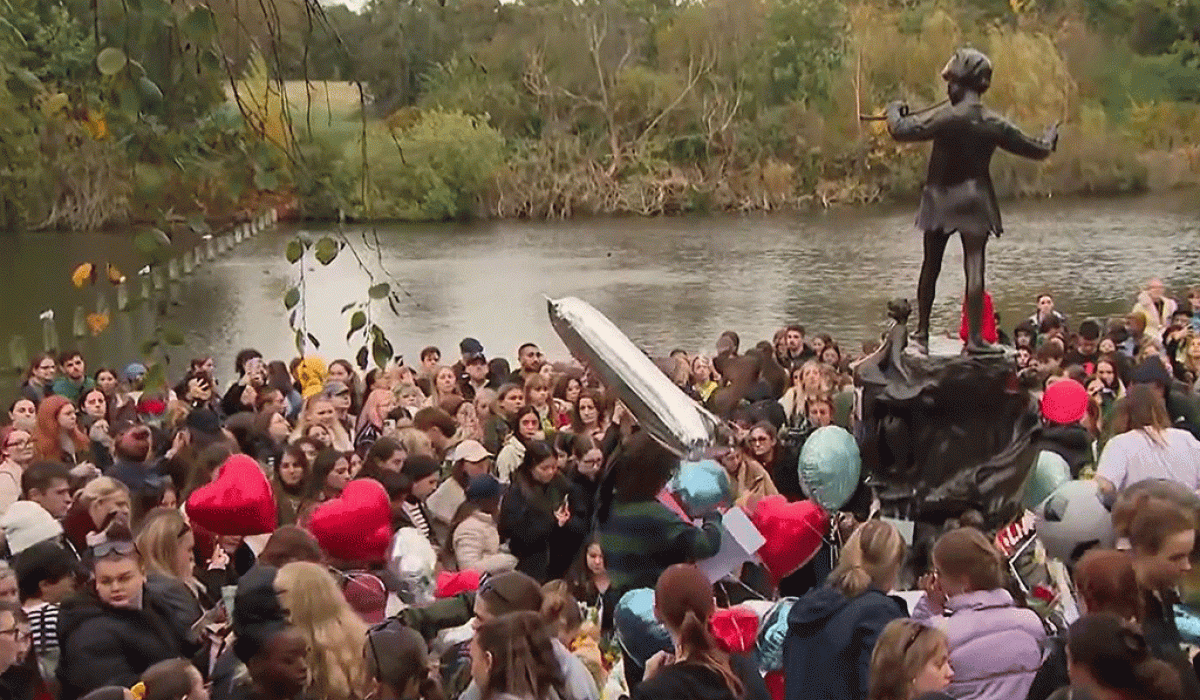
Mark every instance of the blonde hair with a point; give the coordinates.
(336, 634)
(414, 442)
(158, 543)
(100, 489)
(871, 558)
(560, 609)
(904, 647)
(965, 553)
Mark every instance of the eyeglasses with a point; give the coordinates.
(16, 634)
(108, 549)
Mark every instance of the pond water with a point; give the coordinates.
(667, 283)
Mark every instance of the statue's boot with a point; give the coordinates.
(979, 346)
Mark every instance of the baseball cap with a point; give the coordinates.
(471, 451)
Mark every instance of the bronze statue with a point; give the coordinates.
(958, 194)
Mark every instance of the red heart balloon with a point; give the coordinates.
(237, 502)
(735, 629)
(793, 531)
(357, 525)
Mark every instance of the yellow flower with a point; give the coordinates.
(84, 275)
(97, 322)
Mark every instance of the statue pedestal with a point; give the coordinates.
(942, 435)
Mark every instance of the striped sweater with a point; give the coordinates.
(640, 540)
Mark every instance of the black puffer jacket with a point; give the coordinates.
(103, 645)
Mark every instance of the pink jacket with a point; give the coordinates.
(996, 648)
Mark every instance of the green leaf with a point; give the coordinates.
(149, 92)
(357, 321)
(149, 346)
(199, 225)
(349, 306)
(151, 241)
(299, 342)
(111, 61)
(291, 298)
(156, 377)
(392, 304)
(28, 79)
(379, 291)
(199, 25)
(327, 250)
(381, 350)
(361, 357)
(315, 343)
(295, 250)
(172, 336)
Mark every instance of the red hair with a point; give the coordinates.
(46, 434)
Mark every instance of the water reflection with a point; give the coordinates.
(666, 282)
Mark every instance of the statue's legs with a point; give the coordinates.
(931, 267)
(974, 245)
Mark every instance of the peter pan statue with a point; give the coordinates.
(958, 194)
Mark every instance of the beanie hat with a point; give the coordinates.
(1152, 371)
(135, 370)
(1064, 402)
(470, 346)
(26, 523)
(417, 467)
(204, 420)
(482, 487)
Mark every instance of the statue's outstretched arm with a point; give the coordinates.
(1013, 140)
(921, 126)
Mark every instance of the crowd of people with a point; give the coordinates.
(542, 500)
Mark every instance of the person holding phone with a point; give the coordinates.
(543, 528)
(252, 373)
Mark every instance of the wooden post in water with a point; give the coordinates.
(172, 269)
(49, 332)
(156, 277)
(187, 263)
(123, 296)
(79, 323)
(210, 248)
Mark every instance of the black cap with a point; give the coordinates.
(417, 467)
(257, 614)
(471, 346)
(204, 420)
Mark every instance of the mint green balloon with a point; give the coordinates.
(1049, 472)
(830, 466)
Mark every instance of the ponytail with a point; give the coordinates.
(852, 580)
(871, 558)
(698, 646)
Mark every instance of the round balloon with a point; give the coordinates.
(639, 632)
(1049, 472)
(1073, 520)
(701, 487)
(830, 465)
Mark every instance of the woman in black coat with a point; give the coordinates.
(541, 516)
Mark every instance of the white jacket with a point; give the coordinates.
(1156, 323)
(477, 546)
(509, 459)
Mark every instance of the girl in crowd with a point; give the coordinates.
(582, 466)
(510, 398)
(469, 427)
(543, 527)
(537, 396)
(590, 416)
(703, 381)
(23, 414)
(280, 379)
(379, 404)
(119, 404)
(910, 661)
(809, 381)
(101, 503)
(567, 390)
(1106, 386)
(39, 380)
(639, 535)
(385, 455)
(565, 618)
(1145, 446)
(443, 385)
(58, 437)
(512, 659)
(833, 629)
(408, 491)
(474, 538)
(1162, 532)
(698, 669)
(1110, 658)
(526, 427)
(747, 477)
(342, 371)
(330, 474)
(336, 634)
(343, 399)
(763, 446)
(398, 666)
(967, 598)
(16, 448)
(590, 584)
(165, 542)
(269, 436)
(320, 411)
(290, 484)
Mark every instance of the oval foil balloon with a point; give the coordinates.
(659, 406)
(830, 466)
(1049, 472)
(701, 488)
(639, 632)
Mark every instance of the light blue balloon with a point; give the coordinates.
(830, 465)
(701, 487)
(1049, 472)
(639, 632)
(771, 633)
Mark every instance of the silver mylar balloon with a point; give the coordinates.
(660, 407)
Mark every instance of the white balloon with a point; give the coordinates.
(660, 407)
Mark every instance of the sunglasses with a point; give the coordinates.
(913, 639)
(118, 547)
